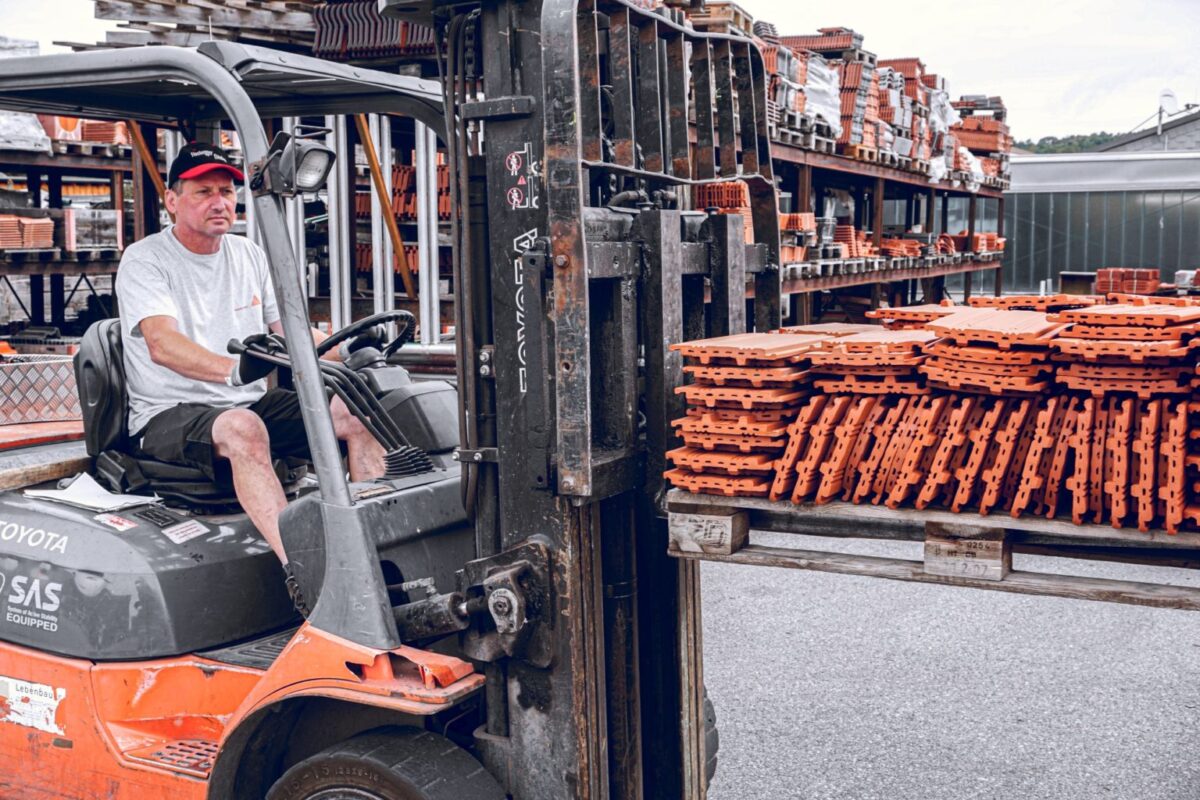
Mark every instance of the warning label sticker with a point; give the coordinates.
(34, 705)
(115, 522)
(185, 531)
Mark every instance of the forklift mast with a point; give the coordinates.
(577, 130)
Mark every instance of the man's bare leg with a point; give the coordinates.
(366, 454)
(240, 436)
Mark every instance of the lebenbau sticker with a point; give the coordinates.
(33, 705)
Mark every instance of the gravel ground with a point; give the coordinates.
(834, 686)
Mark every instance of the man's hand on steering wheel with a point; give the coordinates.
(249, 368)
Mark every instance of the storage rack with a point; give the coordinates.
(808, 174)
(68, 160)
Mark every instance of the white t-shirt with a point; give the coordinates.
(213, 298)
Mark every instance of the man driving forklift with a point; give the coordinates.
(184, 293)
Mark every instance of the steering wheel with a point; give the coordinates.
(407, 320)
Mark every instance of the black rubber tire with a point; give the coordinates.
(389, 764)
(712, 739)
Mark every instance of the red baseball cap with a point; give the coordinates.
(197, 159)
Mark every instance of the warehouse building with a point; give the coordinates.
(1131, 205)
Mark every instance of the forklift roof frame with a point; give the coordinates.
(244, 84)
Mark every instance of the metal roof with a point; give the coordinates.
(1105, 172)
(1146, 133)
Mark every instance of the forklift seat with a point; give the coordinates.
(104, 400)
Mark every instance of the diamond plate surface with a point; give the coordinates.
(38, 389)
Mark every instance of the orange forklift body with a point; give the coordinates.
(155, 729)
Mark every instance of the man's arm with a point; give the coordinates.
(171, 349)
(318, 337)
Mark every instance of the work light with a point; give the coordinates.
(293, 165)
(311, 163)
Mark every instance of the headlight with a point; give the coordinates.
(313, 162)
(293, 165)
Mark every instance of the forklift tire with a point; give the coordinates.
(389, 764)
(712, 739)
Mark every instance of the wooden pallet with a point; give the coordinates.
(860, 153)
(789, 136)
(98, 149)
(858, 54)
(822, 144)
(959, 549)
(20, 256)
(92, 254)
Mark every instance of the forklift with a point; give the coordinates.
(498, 616)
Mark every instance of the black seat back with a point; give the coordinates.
(100, 376)
(104, 400)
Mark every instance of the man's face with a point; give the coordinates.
(204, 205)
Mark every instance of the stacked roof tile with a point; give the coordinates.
(1084, 413)
(746, 389)
(17, 233)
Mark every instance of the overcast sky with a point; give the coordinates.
(1062, 66)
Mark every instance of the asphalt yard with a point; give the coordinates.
(835, 687)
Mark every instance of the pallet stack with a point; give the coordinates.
(890, 111)
(403, 206)
(996, 351)
(1047, 304)
(730, 197)
(10, 233)
(855, 243)
(1127, 281)
(895, 115)
(910, 317)
(787, 72)
(875, 362)
(188, 24)
(984, 132)
(833, 43)
(722, 16)
(75, 129)
(1142, 349)
(901, 248)
(746, 389)
(351, 29)
(26, 233)
(916, 95)
(797, 232)
(980, 243)
(860, 109)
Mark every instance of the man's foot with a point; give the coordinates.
(293, 589)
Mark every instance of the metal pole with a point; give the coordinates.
(427, 234)
(381, 265)
(293, 209)
(387, 158)
(172, 143)
(338, 188)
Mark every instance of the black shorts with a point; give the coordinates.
(183, 434)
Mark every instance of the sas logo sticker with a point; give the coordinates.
(34, 594)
